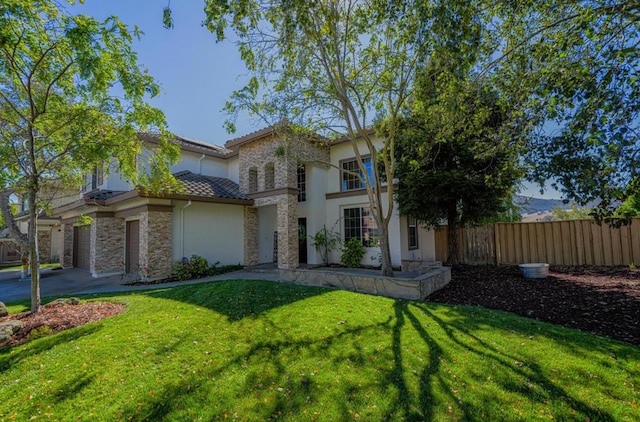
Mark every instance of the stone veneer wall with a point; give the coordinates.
(107, 245)
(250, 235)
(156, 255)
(44, 245)
(287, 212)
(400, 288)
(259, 155)
(67, 245)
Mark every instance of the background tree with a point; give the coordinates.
(577, 64)
(573, 213)
(71, 96)
(457, 154)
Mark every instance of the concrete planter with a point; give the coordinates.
(535, 270)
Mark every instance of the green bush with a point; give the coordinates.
(352, 253)
(187, 269)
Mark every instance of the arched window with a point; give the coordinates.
(253, 180)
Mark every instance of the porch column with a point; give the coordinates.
(107, 245)
(67, 245)
(156, 247)
(250, 236)
(287, 209)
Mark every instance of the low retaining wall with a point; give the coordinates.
(416, 288)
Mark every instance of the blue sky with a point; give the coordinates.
(196, 74)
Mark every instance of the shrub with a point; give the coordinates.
(352, 253)
(187, 269)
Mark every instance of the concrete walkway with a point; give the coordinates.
(74, 281)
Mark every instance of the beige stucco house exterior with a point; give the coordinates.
(252, 201)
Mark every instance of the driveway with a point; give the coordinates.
(73, 281)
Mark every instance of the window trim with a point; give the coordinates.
(370, 243)
(354, 159)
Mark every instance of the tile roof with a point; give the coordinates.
(209, 186)
(103, 194)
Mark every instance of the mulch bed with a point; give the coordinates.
(59, 317)
(600, 300)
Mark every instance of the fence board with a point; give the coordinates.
(578, 242)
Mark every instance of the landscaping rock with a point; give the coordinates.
(65, 301)
(9, 328)
(3, 310)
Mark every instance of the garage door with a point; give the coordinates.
(81, 245)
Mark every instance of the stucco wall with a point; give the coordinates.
(314, 208)
(210, 166)
(426, 250)
(213, 231)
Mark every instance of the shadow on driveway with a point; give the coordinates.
(59, 282)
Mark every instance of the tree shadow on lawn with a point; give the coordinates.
(238, 299)
(435, 385)
(460, 331)
(8, 357)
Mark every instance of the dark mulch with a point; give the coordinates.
(58, 317)
(601, 300)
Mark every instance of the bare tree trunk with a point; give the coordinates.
(385, 251)
(452, 235)
(33, 252)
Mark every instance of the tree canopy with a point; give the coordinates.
(577, 65)
(72, 96)
(457, 153)
(331, 67)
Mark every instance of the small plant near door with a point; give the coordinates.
(325, 241)
(352, 253)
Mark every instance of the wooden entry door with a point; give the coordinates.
(302, 240)
(132, 254)
(81, 247)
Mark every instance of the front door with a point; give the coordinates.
(302, 240)
(132, 258)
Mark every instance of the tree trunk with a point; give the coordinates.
(33, 252)
(386, 269)
(452, 235)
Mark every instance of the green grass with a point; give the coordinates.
(251, 350)
(19, 267)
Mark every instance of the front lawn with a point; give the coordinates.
(252, 350)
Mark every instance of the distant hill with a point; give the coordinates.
(530, 205)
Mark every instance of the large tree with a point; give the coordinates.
(331, 67)
(457, 153)
(72, 96)
(577, 63)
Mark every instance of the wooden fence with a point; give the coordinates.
(573, 242)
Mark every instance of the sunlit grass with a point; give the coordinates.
(257, 350)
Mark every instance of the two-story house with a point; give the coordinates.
(251, 202)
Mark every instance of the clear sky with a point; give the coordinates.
(196, 74)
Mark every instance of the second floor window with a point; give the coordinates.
(350, 172)
(94, 179)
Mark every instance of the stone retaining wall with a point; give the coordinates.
(399, 288)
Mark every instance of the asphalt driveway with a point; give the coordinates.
(59, 282)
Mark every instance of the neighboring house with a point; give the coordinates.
(250, 202)
(9, 253)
